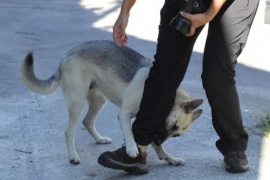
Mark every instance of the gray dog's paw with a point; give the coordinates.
(104, 140)
(75, 160)
(132, 149)
(176, 161)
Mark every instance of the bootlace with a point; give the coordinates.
(121, 149)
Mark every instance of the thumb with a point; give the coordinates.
(186, 15)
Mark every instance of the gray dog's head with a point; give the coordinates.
(180, 120)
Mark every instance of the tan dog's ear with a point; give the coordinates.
(191, 105)
(197, 113)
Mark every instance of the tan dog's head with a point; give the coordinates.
(180, 120)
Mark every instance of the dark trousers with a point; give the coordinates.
(226, 39)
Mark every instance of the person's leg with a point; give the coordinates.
(168, 70)
(171, 61)
(226, 39)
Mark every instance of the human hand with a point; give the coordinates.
(197, 20)
(119, 30)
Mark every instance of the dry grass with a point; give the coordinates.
(265, 120)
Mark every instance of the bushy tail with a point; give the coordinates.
(36, 85)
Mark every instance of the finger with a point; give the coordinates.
(191, 32)
(125, 39)
(116, 40)
(186, 15)
(120, 41)
(117, 37)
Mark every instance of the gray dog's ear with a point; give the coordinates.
(191, 105)
(197, 113)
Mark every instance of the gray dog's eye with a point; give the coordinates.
(176, 135)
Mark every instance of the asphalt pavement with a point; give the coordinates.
(32, 140)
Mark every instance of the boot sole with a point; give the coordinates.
(236, 168)
(135, 168)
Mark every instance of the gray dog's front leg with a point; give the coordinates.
(131, 145)
(162, 154)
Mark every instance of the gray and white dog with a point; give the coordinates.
(97, 71)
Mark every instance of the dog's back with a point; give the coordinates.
(124, 61)
(103, 66)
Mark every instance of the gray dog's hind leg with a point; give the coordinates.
(75, 108)
(96, 102)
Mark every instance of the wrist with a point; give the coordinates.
(208, 16)
(125, 14)
(214, 8)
